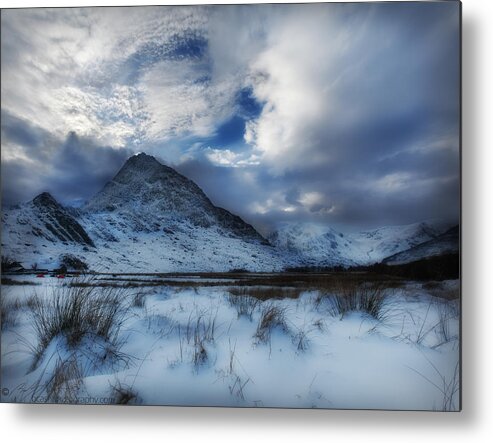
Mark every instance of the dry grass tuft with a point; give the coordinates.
(76, 312)
(245, 305)
(271, 317)
(358, 297)
(123, 395)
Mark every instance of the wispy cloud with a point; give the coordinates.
(340, 113)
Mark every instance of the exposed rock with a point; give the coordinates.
(72, 262)
(58, 221)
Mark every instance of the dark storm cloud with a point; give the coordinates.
(222, 185)
(82, 168)
(26, 156)
(72, 169)
(18, 183)
(388, 152)
(20, 132)
(343, 114)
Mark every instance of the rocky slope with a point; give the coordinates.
(146, 196)
(446, 243)
(150, 218)
(316, 245)
(40, 230)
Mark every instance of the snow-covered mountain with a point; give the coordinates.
(149, 218)
(316, 245)
(310, 244)
(40, 231)
(446, 243)
(44, 218)
(146, 196)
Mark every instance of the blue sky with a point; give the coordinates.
(343, 114)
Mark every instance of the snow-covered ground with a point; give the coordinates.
(185, 248)
(190, 346)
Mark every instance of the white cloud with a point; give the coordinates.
(403, 184)
(293, 76)
(344, 89)
(395, 182)
(111, 116)
(226, 157)
(180, 100)
(221, 157)
(312, 198)
(66, 70)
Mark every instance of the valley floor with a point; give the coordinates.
(226, 344)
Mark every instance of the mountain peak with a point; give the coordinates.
(141, 155)
(142, 158)
(45, 199)
(140, 166)
(151, 195)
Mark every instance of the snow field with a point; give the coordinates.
(203, 346)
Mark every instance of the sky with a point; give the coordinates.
(346, 115)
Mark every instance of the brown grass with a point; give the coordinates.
(76, 312)
(122, 394)
(265, 292)
(358, 297)
(438, 289)
(259, 285)
(271, 317)
(11, 282)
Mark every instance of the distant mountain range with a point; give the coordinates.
(150, 218)
(446, 243)
(315, 245)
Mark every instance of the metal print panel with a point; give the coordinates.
(242, 206)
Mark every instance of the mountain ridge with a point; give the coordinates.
(43, 217)
(143, 181)
(147, 218)
(151, 218)
(445, 243)
(318, 245)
